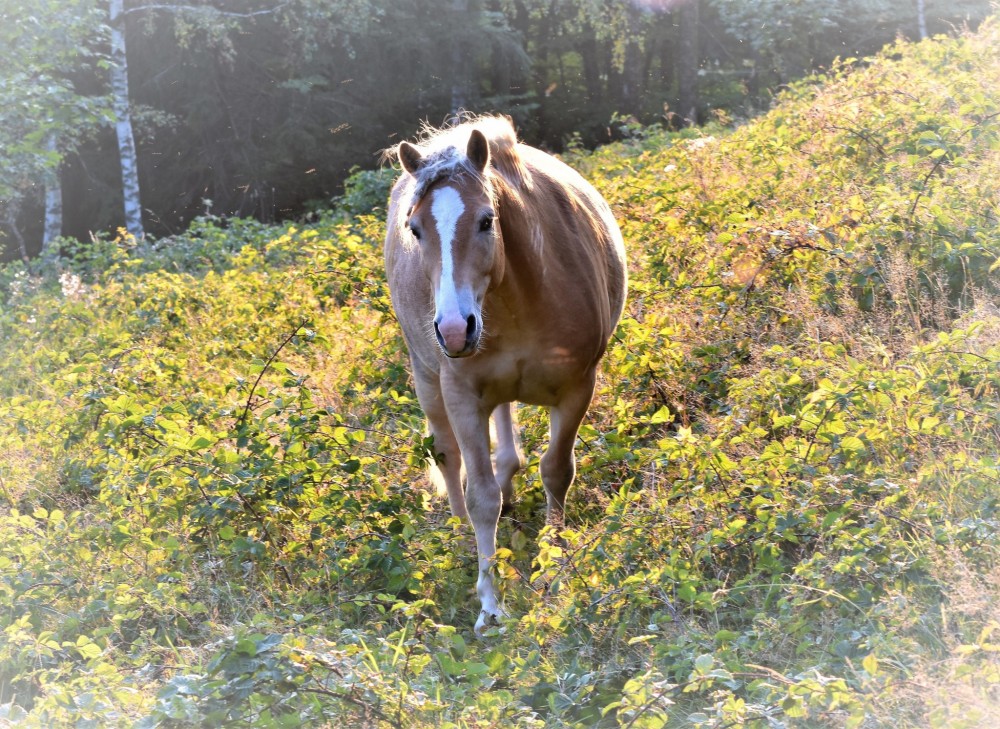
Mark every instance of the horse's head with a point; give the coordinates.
(453, 219)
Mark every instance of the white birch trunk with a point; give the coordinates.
(123, 120)
(922, 19)
(460, 76)
(53, 206)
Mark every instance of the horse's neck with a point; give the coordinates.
(523, 245)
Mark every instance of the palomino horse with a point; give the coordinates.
(507, 274)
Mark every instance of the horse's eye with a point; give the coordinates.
(486, 223)
(416, 231)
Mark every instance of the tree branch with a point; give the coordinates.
(205, 9)
(270, 361)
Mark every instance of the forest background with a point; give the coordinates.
(264, 108)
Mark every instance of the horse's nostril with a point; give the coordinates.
(471, 323)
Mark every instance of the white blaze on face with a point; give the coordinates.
(453, 306)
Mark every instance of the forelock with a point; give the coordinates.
(444, 157)
(445, 163)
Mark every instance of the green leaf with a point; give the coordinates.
(703, 663)
(197, 443)
(852, 444)
(687, 592)
(87, 648)
(663, 415)
(725, 636)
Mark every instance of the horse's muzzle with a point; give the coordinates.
(458, 337)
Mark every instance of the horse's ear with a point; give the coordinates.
(478, 150)
(410, 158)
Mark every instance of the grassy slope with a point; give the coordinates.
(211, 459)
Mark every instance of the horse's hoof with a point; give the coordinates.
(486, 621)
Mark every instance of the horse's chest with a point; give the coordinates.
(533, 377)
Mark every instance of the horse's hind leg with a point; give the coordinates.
(558, 467)
(508, 454)
(447, 455)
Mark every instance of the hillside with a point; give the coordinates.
(214, 509)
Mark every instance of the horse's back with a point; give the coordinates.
(582, 237)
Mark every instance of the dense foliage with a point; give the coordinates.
(262, 108)
(212, 462)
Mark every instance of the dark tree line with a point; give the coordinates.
(262, 107)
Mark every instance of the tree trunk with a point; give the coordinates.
(922, 19)
(591, 65)
(688, 62)
(753, 82)
(11, 210)
(53, 207)
(459, 61)
(631, 76)
(668, 68)
(540, 57)
(123, 120)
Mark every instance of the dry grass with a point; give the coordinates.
(959, 685)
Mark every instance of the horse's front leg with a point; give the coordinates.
(470, 420)
(447, 456)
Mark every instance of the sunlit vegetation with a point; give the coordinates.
(214, 509)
